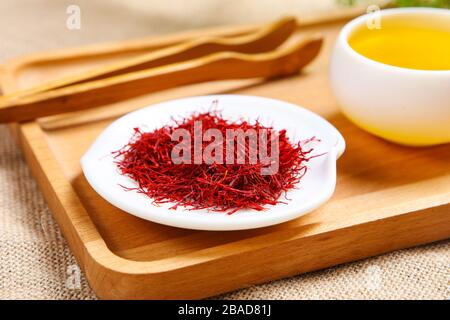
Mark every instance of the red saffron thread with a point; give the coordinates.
(146, 159)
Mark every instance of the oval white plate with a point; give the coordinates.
(315, 188)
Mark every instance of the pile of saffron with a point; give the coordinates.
(220, 187)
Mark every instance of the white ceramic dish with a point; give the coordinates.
(406, 106)
(316, 187)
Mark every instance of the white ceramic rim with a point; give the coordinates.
(357, 22)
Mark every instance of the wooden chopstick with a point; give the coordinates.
(218, 66)
(266, 38)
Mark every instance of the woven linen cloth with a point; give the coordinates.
(35, 261)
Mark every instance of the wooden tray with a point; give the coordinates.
(388, 197)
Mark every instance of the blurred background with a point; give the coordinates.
(34, 25)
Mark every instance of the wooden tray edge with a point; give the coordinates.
(113, 277)
(108, 273)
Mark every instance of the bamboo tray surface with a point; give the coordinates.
(387, 196)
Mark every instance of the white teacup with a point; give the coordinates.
(407, 106)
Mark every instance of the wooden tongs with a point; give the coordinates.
(255, 55)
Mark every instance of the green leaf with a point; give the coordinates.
(404, 3)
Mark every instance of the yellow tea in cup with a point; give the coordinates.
(394, 81)
(407, 42)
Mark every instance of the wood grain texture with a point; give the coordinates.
(221, 65)
(265, 38)
(387, 197)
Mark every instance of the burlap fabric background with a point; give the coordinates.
(35, 261)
